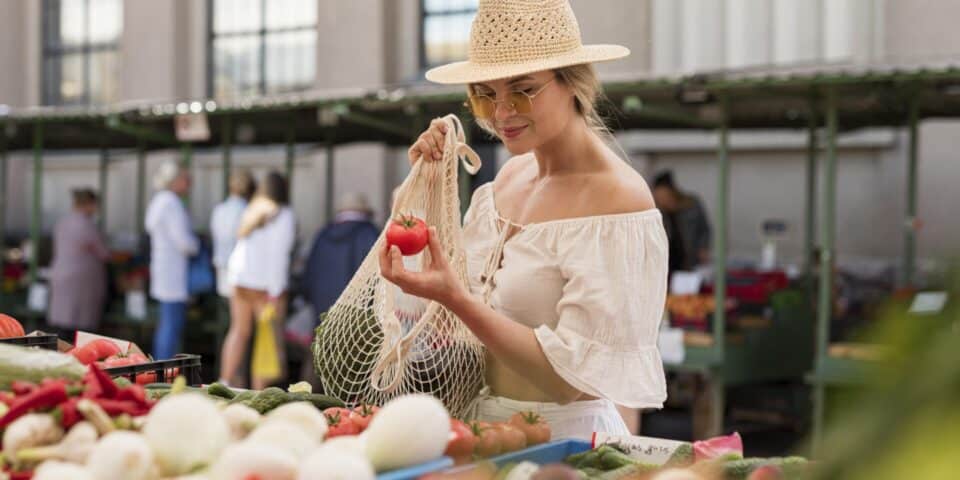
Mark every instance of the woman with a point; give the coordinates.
(257, 271)
(78, 279)
(171, 244)
(566, 254)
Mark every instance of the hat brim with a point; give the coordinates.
(467, 72)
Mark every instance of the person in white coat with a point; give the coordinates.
(257, 271)
(172, 242)
(225, 221)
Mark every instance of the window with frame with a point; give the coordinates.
(445, 31)
(261, 47)
(81, 51)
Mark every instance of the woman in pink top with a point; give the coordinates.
(78, 279)
(566, 252)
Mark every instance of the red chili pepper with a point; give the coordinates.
(93, 389)
(20, 387)
(119, 407)
(68, 413)
(48, 396)
(107, 387)
(136, 394)
(21, 475)
(7, 398)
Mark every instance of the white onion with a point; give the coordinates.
(408, 430)
(186, 431)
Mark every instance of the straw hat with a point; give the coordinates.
(517, 37)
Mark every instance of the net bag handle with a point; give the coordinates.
(387, 374)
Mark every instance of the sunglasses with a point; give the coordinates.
(484, 106)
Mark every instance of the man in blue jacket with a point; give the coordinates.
(338, 250)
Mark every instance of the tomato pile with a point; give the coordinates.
(106, 354)
(485, 439)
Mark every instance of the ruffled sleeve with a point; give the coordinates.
(605, 339)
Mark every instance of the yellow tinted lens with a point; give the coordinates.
(482, 106)
(520, 102)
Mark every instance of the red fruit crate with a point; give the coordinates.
(161, 371)
(46, 341)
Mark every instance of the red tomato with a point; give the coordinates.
(138, 358)
(409, 234)
(339, 421)
(103, 348)
(117, 361)
(533, 426)
(511, 438)
(362, 415)
(462, 442)
(10, 327)
(488, 439)
(84, 355)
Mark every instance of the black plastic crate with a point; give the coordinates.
(46, 341)
(162, 371)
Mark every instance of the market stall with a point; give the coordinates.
(832, 99)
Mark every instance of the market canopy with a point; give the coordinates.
(867, 96)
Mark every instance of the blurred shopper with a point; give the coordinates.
(338, 250)
(225, 221)
(78, 277)
(172, 242)
(685, 220)
(258, 271)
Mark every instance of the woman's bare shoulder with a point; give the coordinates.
(621, 192)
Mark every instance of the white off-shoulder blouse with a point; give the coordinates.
(592, 288)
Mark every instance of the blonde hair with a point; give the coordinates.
(271, 196)
(587, 93)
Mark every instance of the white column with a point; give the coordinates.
(749, 33)
(667, 36)
(796, 27)
(703, 35)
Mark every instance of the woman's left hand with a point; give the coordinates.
(436, 282)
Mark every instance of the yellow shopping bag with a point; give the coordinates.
(265, 362)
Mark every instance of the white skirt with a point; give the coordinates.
(577, 420)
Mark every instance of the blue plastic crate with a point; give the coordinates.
(411, 473)
(552, 452)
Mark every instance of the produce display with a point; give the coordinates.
(63, 416)
(719, 458)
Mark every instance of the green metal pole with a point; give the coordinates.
(811, 210)
(720, 241)
(141, 183)
(715, 384)
(328, 189)
(227, 160)
(102, 185)
(910, 234)
(37, 215)
(186, 151)
(825, 303)
(291, 157)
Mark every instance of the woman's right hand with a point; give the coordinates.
(429, 144)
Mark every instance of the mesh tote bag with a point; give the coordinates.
(376, 342)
